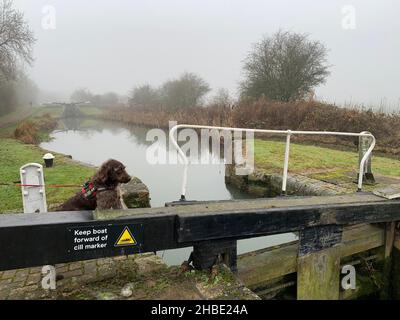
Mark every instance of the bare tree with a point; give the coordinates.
(16, 40)
(81, 94)
(221, 98)
(22, 92)
(144, 96)
(186, 91)
(110, 99)
(285, 66)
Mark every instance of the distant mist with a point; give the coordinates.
(116, 45)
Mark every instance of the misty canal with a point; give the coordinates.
(94, 142)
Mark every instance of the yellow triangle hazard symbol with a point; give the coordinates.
(126, 239)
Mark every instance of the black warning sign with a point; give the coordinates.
(83, 239)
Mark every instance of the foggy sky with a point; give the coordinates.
(109, 45)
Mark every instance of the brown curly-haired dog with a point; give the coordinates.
(101, 191)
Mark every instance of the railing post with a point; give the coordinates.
(288, 133)
(286, 163)
(318, 263)
(364, 144)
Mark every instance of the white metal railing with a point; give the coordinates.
(288, 134)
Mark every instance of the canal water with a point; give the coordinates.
(94, 142)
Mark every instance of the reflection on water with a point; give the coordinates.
(94, 142)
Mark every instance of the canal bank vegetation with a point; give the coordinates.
(33, 125)
(338, 167)
(315, 161)
(277, 91)
(43, 119)
(33, 132)
(20, 133)
(267, 114)
(93, 100)
(14, 154)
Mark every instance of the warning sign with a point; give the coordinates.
(126, 239)
(90, 239)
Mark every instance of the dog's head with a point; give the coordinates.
(111, 173)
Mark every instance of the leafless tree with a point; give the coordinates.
(285, 67)
(221, 98)
(16, 40)
(81, 94)
(186, 91)
(144, 96)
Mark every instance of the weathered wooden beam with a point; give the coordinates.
(266, 221)
(318, 275)
(31, 240)
(318, 263)
(386, 289)
(395, 279)
(208, 253)
(28, 240)
(262, 266)
(390, 234)
(360, 238)
(259, 267)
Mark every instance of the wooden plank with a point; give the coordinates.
(318, 275)
(37, 240)
(395, 280)
(43, 239)
(390, 233)
(262, 266)
(206, 207)
(389, 192)
(257, 222)
(256, 268)
(318, 263)
(387, 287)
(315, 239)
(396, 242)
(363, 238)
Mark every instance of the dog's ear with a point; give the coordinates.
(102, 176)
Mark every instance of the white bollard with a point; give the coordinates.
(33, 198)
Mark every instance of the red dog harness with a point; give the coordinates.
(89, 191)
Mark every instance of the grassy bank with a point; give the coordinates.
(320, 163)
(331, 165)
(9, 122)
(14, 154)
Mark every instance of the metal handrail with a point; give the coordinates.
(288, 134)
